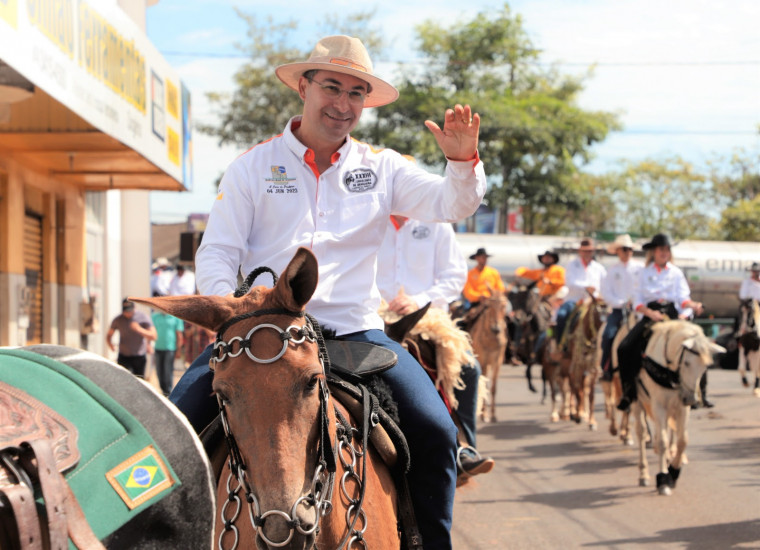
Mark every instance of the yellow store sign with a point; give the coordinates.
(9, 12)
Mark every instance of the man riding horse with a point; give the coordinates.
(583, 277)
(314, 186)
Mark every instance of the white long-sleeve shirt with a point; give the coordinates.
(578, 277)
(423, 258)
(272, 200)
(667, 284)
(619, 285)
(750, 289)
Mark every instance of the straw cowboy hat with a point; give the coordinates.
(341, 54)
(553, 255)
(621, 241)
(480, 252)
(587, 244)
(658, 240)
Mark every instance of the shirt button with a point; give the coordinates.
(321, 214)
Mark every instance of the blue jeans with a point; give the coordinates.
(468, 400)
(425, 421)
(562, 314)
(614, 320)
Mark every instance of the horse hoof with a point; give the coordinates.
(756, 392)
(644, 482)
(613, 431)
(664, 490)
(628, 442)
(577, 419)
(592, 427)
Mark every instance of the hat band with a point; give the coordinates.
(348, 63)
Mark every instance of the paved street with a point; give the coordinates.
(563, 486)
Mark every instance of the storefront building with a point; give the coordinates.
(92, 118)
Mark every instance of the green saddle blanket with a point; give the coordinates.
(123, 471)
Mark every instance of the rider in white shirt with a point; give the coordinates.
(617, 290)
(418, 263)
(662, 292)
(314, 186)
(751, 285)
(583, 278)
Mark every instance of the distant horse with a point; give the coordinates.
(293, 463)
(556, 375)
(676, 357)
(613, 390)
(749, 342)
(488, 329)
(531, 314)
(583, 351)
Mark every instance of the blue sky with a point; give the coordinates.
(683, 74)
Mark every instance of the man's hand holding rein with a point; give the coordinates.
(459, 138)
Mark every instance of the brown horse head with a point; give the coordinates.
(272, 408)
(281, 424)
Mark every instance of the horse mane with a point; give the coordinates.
(452, 345)
(665, 330)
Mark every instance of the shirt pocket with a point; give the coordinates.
(361, 213)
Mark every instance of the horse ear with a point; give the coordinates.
(715, 348)
(207, 311)
(688, 343)
(299, 280)
(398, 330)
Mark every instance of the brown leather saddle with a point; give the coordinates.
(37, 445)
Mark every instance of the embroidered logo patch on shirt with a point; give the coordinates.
(279, 175)
(141, 477)
(360, 180)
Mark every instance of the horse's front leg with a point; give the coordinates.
(682, 439)
(589, 388)
(661, 446)
(638, 412)
(743, 366)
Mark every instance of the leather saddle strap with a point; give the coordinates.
(64, 515)
(51, 487)
(24, 510)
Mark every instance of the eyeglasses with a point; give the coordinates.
(354, 96)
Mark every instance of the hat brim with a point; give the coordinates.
(382, 92)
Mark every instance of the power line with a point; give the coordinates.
(745, 62)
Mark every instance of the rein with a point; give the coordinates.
(323, 479)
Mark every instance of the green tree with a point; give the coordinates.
(533, 136)
(665, 196)
(737, 185)
(740, 222)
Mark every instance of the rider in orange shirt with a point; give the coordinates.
(550, 278)
(481, 279)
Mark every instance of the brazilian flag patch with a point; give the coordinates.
(140, 477)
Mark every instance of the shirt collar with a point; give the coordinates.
(300, 150)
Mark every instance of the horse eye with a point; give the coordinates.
(313, 381)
